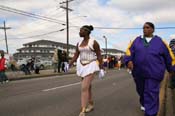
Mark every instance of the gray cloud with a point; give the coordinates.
(142, 5)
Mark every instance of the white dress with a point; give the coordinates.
(87, 54)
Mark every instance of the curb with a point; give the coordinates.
(173, 101)
(167, 99)
(162, 96)
(39, 76)
(169, 103)
(43, 75)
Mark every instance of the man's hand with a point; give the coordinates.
(130, 65)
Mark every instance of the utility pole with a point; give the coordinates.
(67, 21)
(106, 45)
(5, 28)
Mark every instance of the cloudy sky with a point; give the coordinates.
(109, 14)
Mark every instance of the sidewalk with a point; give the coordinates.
(162, 96)
(167, 99)
(18, 75)
(170, 102)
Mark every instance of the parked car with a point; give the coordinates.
(21, 62)
(43, 64)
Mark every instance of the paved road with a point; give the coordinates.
(60, 96)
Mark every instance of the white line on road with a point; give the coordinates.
(60, 87)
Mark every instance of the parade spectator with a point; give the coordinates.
(36, 67)
(119, 64)
(59, 55)
(148, 56)
(64, 61)
(55, 60)
(88, 51)
(112, 61)
(32, 64)
(13, 65)
(105, 62)
(25, 69)
(109, 62)
(3, 67)
(172, 79)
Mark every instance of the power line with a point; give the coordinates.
(48, 33)
(165, 28)
(116, 28)
(34, 31)
(126, 28)
(24, 13)
(29, 13)
(50, 14)
(39, 22)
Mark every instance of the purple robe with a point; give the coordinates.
(150, 60)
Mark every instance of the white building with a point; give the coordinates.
(43, 49)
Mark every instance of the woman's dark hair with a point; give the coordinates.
(88, 28)
(150, 24)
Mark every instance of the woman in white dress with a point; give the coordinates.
(90, 61)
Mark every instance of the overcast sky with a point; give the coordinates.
(99, 13)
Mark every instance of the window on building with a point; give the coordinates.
(42, 46)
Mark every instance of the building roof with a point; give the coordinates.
(47, 42)
(35, 48)
(15, 54)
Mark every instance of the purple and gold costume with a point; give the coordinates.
(150, 61)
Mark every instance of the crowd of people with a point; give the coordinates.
(29, 66)
(111, 62)
(60, 60)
